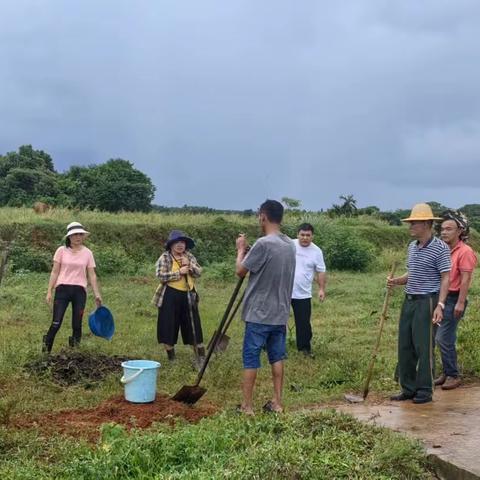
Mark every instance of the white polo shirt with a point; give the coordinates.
(309, 261)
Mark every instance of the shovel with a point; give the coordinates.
(224, 339)
(190, 394)
(357, 398)
(194, 330)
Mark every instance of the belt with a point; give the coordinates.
(453, 294)
(420, 296)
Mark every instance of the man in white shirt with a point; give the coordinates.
(309, 266)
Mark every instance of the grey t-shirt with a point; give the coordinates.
(271, 263)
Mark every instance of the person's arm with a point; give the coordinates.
(242, 247)
(53, 280)
(322, 282)
(396, 281)
(194, 269)
(164, 272)
(442, 296)
(92, 278)
(465, 280)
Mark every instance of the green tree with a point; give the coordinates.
(437, 208)
(112, 186)
(348, 208)
(291, 203)
(370, 210)
(27, 176)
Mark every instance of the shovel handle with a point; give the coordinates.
(232, 316)
(383, 317)
(227, 325)
(216, 336)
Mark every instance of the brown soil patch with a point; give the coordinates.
(85, 423)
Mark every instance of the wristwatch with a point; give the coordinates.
(441, 305)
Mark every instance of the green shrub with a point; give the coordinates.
(343, 251)
(112, 259)
(219, 271)
(26, 258)
(139, 239)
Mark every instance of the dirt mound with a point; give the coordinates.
(71, 367)
(85, 423)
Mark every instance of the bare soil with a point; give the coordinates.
(85, 423)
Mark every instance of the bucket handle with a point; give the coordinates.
(133, 377)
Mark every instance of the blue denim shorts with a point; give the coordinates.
(258, 336)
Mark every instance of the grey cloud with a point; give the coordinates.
(226, 103)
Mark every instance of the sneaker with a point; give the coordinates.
(440, 380)
(419, 400)
(451, 383)
(401, 397)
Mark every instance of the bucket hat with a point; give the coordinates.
(75, 227)
(176, 236)
(421, 212)
(101, 323)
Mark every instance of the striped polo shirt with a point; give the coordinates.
(425, 266)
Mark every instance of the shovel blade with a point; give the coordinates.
(222, 343)
(351, 398)
(189, 394)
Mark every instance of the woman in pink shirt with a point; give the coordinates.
(71, 265)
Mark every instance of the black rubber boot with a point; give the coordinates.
(201, 352)
(73, 342)
(171, 354)
(46, 345)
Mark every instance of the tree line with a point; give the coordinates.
(348, 208)
(28, 176)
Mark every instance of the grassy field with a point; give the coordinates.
(303, 443)
(344, 330)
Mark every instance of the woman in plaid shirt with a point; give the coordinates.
(176, 297)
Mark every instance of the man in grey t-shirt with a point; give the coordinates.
(266, 308)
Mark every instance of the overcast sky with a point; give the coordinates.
(226, 103)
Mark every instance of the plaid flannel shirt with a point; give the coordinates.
(164, 267)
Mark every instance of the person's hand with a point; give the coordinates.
(185, 261)
(391, 282)
(241, 243)
(184, 270)
(98, 300)
(459, 309)
(321, 295)
(48, 298)
(437, 315)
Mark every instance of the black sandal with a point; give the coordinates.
(268, 408)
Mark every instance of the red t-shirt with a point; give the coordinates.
(463, 260)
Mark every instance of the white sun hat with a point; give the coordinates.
(75, 227)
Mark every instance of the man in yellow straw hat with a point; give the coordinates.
(426, 288)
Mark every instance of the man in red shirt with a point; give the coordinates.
(454, 232)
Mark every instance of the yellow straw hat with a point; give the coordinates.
(421, 212)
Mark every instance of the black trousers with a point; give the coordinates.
(65, 294)
(174, 315)
(302, 311)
